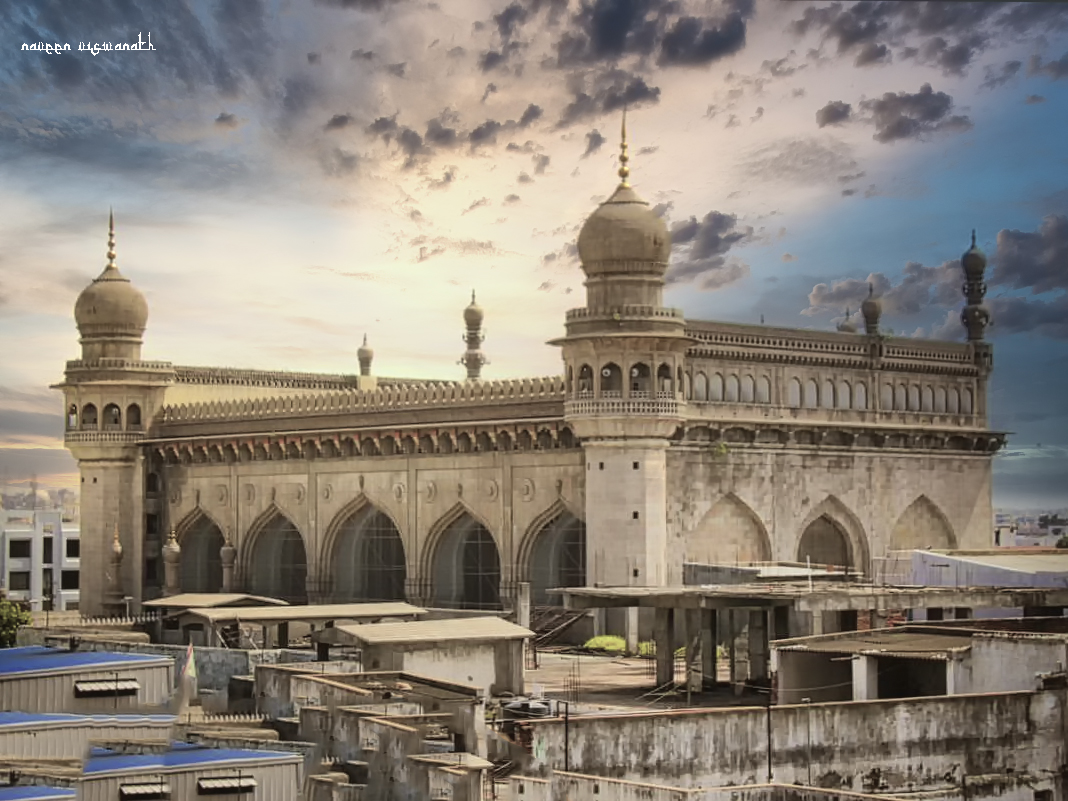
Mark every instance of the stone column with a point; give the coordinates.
(695, 643)
(172, 558)
(709, 645)
(522, 604)
(228, 555)
(865, 678)
(758, 645)
(630, 629)
(664, 640)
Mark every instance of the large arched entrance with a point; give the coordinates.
(557, 558)
(922, 525)
(730, 533)
(201, 563)
(467, 567)
(367, 561)
(278, 563)
(825, 543)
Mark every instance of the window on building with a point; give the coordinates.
(68, 580)
(151, 524)
(48, 542)
(18, 581)
(74, 549)
(151, 568)
(19, 549)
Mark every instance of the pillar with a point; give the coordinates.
(228, 555)
(283, 635)
(730, 637)
(172, 556)
(630, 629)
(709, 643)
(758, 645)
(865, 678)
(522, 604)
(695, 642)
(664, 639)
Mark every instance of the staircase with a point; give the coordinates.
(549, 622)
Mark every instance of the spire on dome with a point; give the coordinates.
(624, 170)
(111, 240)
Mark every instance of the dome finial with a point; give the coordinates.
(973, 237)
(472, 296)
(624, 170)
(111, 239)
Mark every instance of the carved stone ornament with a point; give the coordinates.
(431, 491)
(250, 493)
(528, 489)
(398, 491)
(328, 492)
(492, 489)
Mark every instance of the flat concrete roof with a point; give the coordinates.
(454, 759)
(819, 597)
(268, 615)
(427, 633)
(211, 600)
(901, 642)
(1026, 560)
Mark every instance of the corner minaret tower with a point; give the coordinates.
(623, 360)
(110, 397)
(473, 358)
(975, 317)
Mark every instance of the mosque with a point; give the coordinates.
(662, 441)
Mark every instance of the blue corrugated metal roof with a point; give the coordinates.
(36, 793)
(38, 659)
(181, 755)
(17, 719)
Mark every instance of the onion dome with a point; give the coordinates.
(847, 326)
(872, 310)
(974, 261)
(172, 552)
(364, 354)
(111, 306)
(624, 231)
(473, 313)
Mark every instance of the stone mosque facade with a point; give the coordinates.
(662, 441)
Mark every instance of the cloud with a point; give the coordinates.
(482, 201)
(447, 178)
(697, 42)
(608, 92)
(834, 113)
(1034, 99)
(919, 289)
(1033, 260)
(541, 162)
(872, 53)
(337, 122)
(486, 133)
(439, 134)
(511, 199)
(226, 120)
(994, 78)
(397, 70)
(1012, 315)
(901, 115)
(524, 178)
(338, 162)
(804, 161)
(1054, 69)
(700, 251)
(594, 141)
(788, 257)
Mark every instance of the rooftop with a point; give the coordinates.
(286, 614)
(102, 762)
(901, 642)
(432, 632)
(1024, 560)
(36, 793)
(36, 659)
(37, 719)
(211, 600)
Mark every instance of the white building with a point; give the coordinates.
(39, 559)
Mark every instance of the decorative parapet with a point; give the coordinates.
(623, 406)
(724, 411)
(400, 396)
(624, 311)
(216, 376)
(105, 437)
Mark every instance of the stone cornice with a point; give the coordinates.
(221, 376)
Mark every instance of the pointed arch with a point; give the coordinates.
(363, 558)
(832, 530)
(463, 560)
(200, 538)
(275, 558)
(922, 525)
(553, 553)
(730, 532)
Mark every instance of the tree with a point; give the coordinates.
(12, 618)
(1063, 542)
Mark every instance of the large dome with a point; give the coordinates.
(111, 306)
(624, 229)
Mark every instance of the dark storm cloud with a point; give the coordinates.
(872, 53)
(833, 113)
(696, 42)
(530, 115)
(510, 18)
(919, 289)
(491, 88)
(993, 77)
(901, 115)
(440, 135)
(594, 141)
(486, 133)
(408, 141)
(226, 120)
(700, 249)
(1054, 69)
(1030, 315)
(337, 122)
(1033, 260)
(541, 161)
(610, 92)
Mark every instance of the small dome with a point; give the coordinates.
(974, 261)
(872, 310)
(364, 353)
(624, 229)
(111, 306)
(847, 326)
(473, 315)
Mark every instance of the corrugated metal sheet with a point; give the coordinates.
(68, 736)
(37, 794)
(55, 692)
(430, 632)
(275, 782)
(211, 600)
(1023, 562)
(35, 660)
(285, 614)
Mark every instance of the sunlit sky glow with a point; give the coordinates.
(287, 176)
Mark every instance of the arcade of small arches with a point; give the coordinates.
(256, 449)
(363, 559)
(110, 418)
(730, 387)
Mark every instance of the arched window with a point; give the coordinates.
(112, 417)
(953, 405)
(133, 417)
(585, 380)
(914, 398)
(89, 417)
(763, 394)
(639, 380)
(152, 483)
(463, 442)
(927, 401)
(748, 389)
(545, 440)
(812, 394)
(901, 401)
(72, 418)
(687, 388)
(793, 399)
(611, 381)
(732, 392)
(715, 388)
(368, 559)
(967, 405)
(827, 396)
(570, 380)
(940, 400)
(558, 558)
(886, 398)
(700, 387)
(663, 380)
(845, 396)
(467, 567)
(860, 397)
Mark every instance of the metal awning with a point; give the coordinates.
(87, 689)
(225, 785)
(145, 790)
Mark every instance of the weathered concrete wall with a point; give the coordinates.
(912, 744)
(1005, 662)
(468, 664)
(814, 676)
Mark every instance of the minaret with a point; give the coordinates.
(871, 309)
(473, 358)
(976, 317)
(623, 359)
(172, 566)
(110, 397)
(364, 354)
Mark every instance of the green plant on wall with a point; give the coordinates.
(12, 618)
(720, 449)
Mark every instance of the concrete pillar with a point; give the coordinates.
(522, 604)
(630, 629)
(865, 678)
(283, 635)
(695, 641)
(709, 642)
(817, 626)
(228, 555)
(758, 645)
(664, 639)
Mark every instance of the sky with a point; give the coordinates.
(290, 176)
